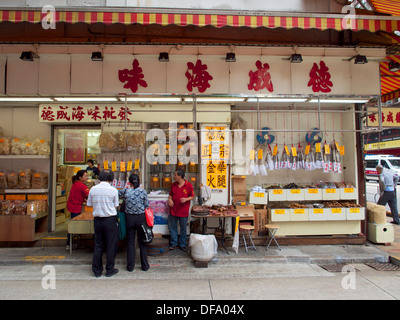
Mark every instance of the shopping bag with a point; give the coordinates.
(149, 217)
(147, 233)
(121, 225)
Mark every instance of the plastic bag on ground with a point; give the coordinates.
(203, 247)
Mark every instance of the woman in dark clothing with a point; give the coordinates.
(135, 203)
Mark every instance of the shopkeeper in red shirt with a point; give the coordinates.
(179, 200)
(77, 196)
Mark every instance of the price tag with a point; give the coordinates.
(330, 190)
(287, 150)
(354, 210)
(294, 152)
(129, 167)
(311, 191)
(137, 162)
(259, 194)
(336, 210)
(279, 211)
(318, 211)
(252, 154)
(337, 146)
(105, 165)
(327, 149)
(295, 191)
(114, 166)
(275, 151)
(277, 191)
(122, 166)
(318, 147)
(260, 154)
(341, 150)
(307, 151)
(299, 211)
(348, 190)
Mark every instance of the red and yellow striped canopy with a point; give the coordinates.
(387, 6)
(390, 81)
(201, 20)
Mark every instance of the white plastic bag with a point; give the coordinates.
(203, 247)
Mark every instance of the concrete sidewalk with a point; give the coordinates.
(310, 254)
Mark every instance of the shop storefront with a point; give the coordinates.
(280, 139)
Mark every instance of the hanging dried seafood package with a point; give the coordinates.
(12, 180)
(269, 163)
(300, 157)
(107, 141)
(3, 179)
(294, 158)
(318, 156)
(275, 158)
(284, 158)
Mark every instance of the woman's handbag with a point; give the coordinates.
(148, 233)
(149, 217)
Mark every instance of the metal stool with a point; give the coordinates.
(249, 230)
(272, 228)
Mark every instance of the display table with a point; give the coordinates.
(221, 224)
(76, 227)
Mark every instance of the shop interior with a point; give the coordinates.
(301, 130)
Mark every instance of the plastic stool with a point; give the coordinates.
(272, 228)
(249, 230)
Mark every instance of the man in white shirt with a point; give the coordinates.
(104, 200)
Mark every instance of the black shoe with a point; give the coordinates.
(172, 247)
(184, 249)
(145, 269)
(112, 273)
(394, 222)
(98, 275)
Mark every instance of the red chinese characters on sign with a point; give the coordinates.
(261, 78)
(197, 76)
(78, 113)
(109, 114)
(389, 118)
(133, 77)
(63, 114)
(121, 114)
(320, 78)
(47, 114)
(94, 113)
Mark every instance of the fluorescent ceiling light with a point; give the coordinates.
(33, 99)
(152, 99)
(216, 99)
(88, 99)
(277, 99)
(339, 101)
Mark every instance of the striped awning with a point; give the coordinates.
(390, 81)
(387, 6)
(372, 24)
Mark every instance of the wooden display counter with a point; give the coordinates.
(23, 227)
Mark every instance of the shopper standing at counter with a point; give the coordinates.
(387, 186)
(135, 203)
(179, 200)
(104, 200)
(77, 196)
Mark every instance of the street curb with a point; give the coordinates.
(395, 260)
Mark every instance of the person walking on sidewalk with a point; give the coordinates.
(77, 197)
(179, 200)
(104, 200)
(387, 187)
(135, 203)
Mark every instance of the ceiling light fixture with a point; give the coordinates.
(339, 100)
(25, 99)
(296, 58)
(359, 59)
(277, 100)
(230, 57)
(97, 56)
(27, 56)
(163, 57)
(85, 99)
(394, 66)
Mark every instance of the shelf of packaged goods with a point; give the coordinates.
(24, 191)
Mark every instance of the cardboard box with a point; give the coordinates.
(261, 219)
(245, 211)
(258, 197)
(238, 198)
(239, 185)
